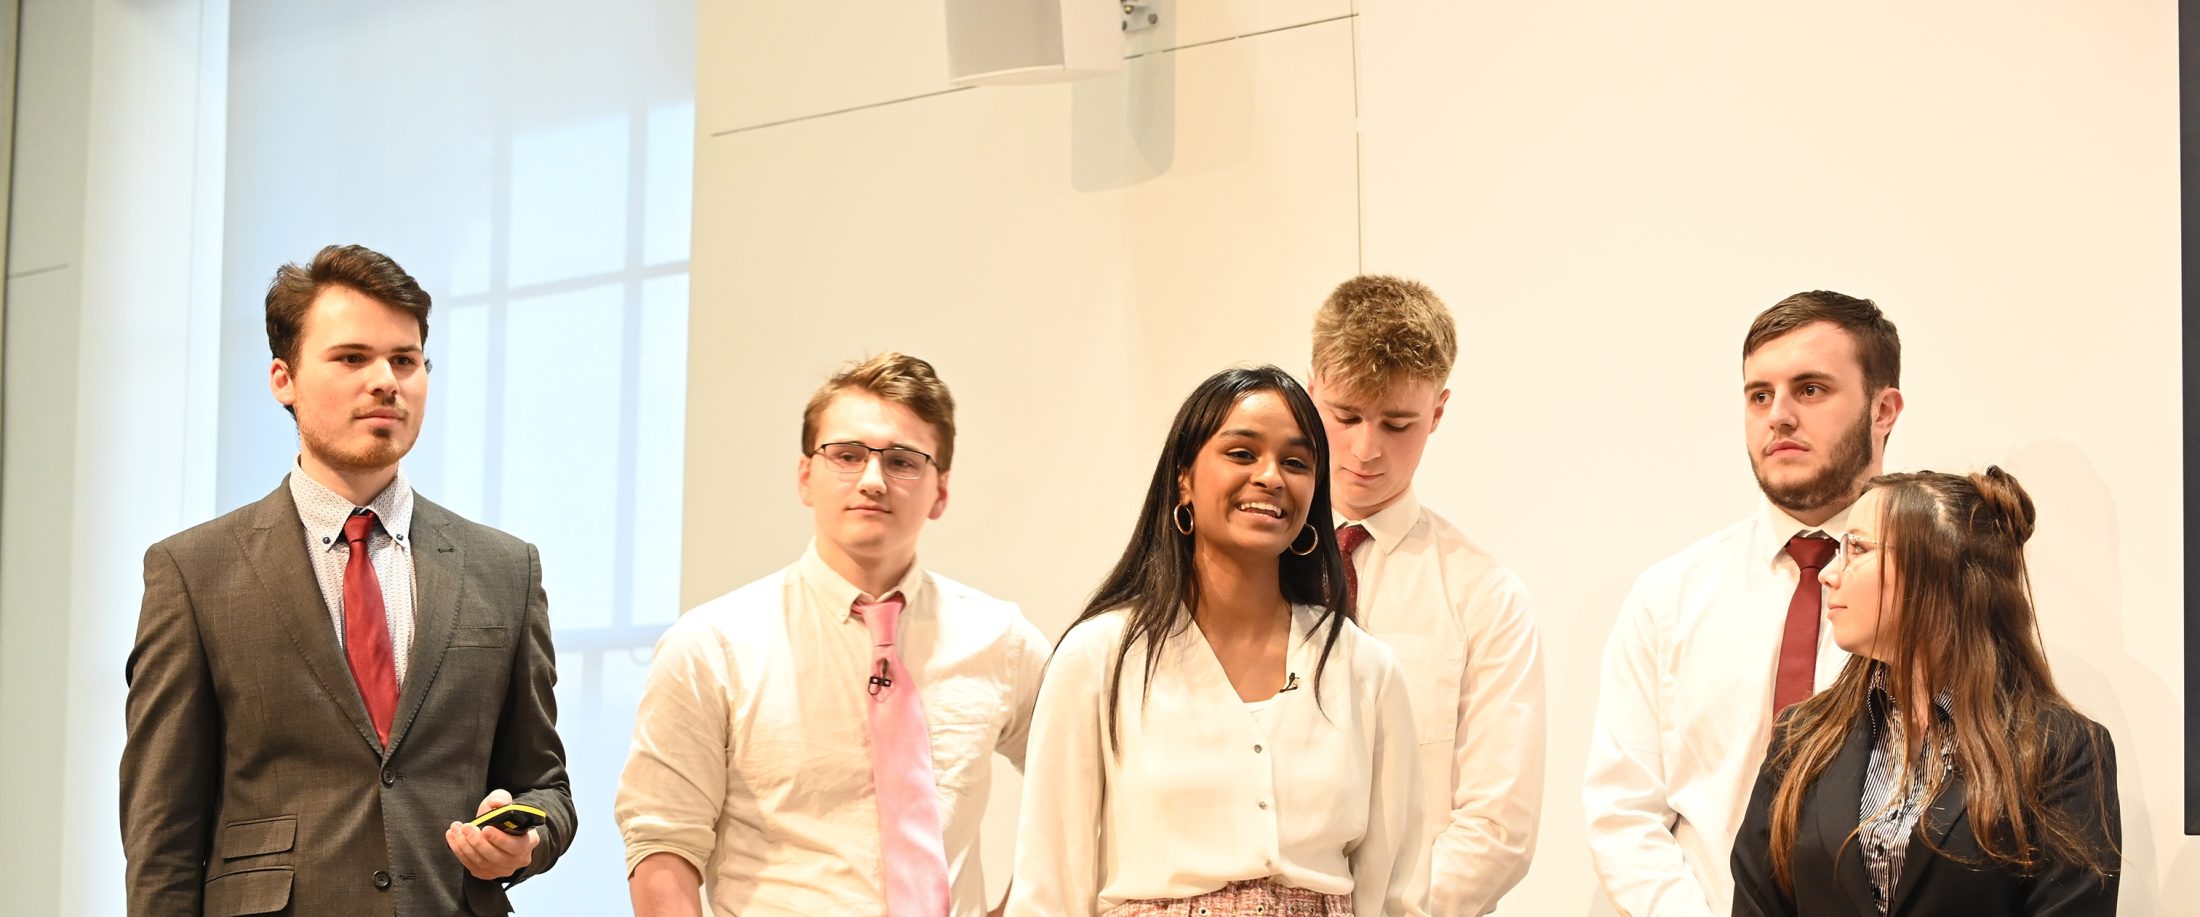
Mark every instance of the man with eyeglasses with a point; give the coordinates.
(820, 741)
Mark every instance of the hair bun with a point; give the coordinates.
(2005, 503)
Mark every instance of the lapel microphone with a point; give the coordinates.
(880, 682)
(1291, 684)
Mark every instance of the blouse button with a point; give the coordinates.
(1263, 803)
(1256, 749)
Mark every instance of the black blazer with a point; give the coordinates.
(1829, 867)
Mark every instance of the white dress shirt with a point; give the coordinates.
(1203, 790)
(389, 548)
(1684, 713)
(1460, 624)
(751, 748)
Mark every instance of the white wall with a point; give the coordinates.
(110, 403)
(1604, 193)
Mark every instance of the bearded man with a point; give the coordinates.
(1716, 640)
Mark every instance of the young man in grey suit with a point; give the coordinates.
(325, 679)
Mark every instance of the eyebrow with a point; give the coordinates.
(1301, 440)
(1349, 408)
(334, 348)
(1815, 375)
(858, 440)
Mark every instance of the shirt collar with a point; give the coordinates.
(1391, 525)
(1883, 706)
(323, 511)
(834, 593)
(1775, 527)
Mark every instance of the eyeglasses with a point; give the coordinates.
(851, 458)
(1850, 544)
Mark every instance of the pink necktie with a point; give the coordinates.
(910, 840)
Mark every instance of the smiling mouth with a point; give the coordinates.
(1259, 508)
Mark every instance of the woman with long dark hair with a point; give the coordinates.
(1942, 773)
(1214, 734)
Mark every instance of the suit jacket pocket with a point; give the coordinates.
(254, 891)
(485, 898)
(256, 837)
(478, 636)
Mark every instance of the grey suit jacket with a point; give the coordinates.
(252, 781)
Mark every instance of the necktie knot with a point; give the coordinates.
(1811, 551)
(359, 526)
(1351, 537)
(881, 617)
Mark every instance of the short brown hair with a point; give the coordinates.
(1878, 346)
(1375, 328)
(291, 294)
(893, 377)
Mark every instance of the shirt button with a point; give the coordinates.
(381, 879)
(1256, 749)
(1263, 803)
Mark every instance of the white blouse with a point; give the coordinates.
(1199, 794)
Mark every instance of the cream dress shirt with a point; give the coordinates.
(1684, 712)
(751, 750)
(1460, 624)
(1196, 796)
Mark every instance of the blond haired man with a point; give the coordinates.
(1458, 619)
(820, 741)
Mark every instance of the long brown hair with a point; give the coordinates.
(1964, 627)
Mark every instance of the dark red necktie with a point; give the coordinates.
(1349, 538)
(367, 628)
(1799, 642)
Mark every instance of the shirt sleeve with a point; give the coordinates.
(674, 786)
(1387, 859)
(1497, 797)
(1624, 792)
(1058, 832)
(1028, 651)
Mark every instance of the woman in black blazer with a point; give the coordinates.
(2005, 803)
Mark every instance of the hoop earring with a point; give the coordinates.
(1182, 516)
(1309, 548)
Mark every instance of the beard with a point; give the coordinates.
(1837, 483)
(377, 451)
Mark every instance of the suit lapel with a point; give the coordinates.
(273, 544)
(1939, 820)
(1832, 811)
(439, 566)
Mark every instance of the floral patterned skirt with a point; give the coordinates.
(1245, 898)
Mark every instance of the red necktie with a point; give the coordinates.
(912, 848)
(1349, 538)
(367, 628)
(1799, 642)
